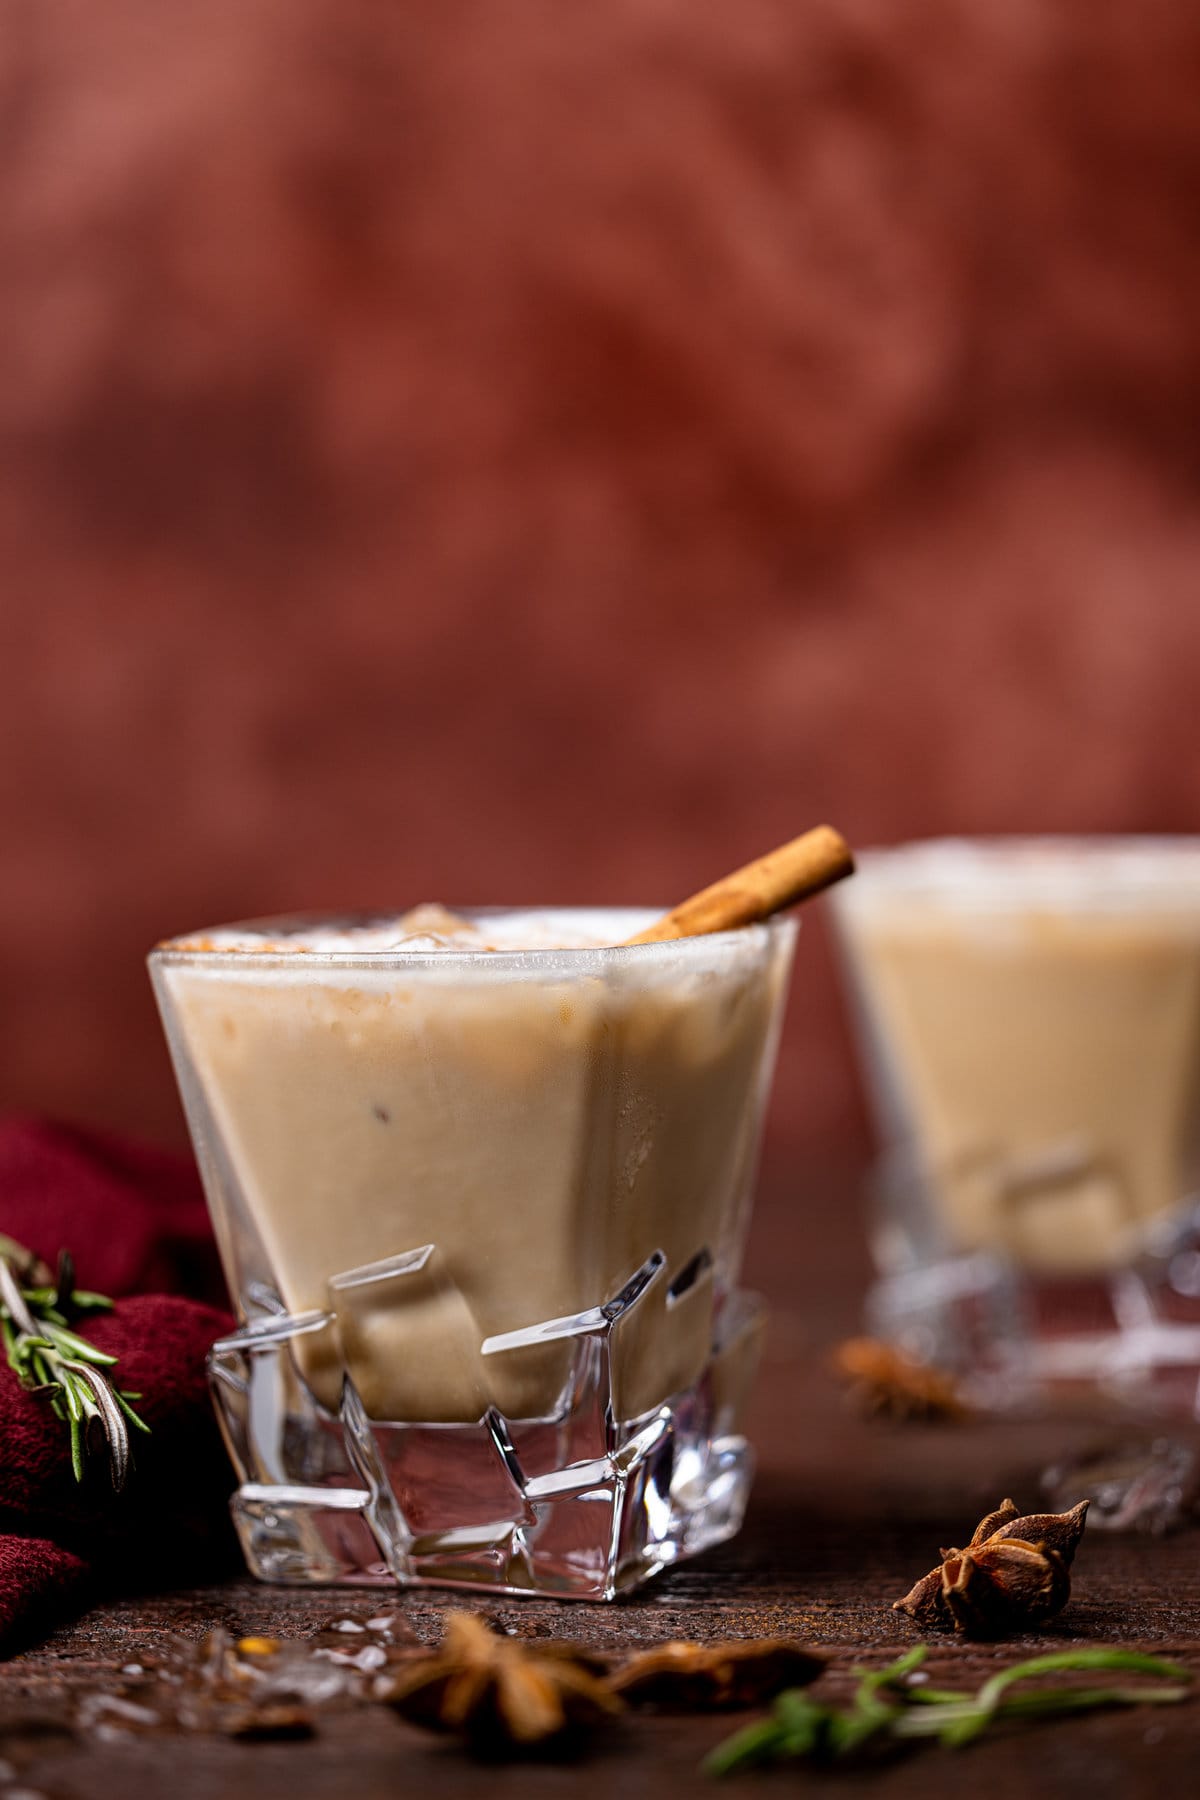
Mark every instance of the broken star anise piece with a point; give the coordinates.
(1015, 1572)
(501, 1693)
(885, 1382)
(691, 1677)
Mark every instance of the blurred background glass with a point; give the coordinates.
(511, 453)
(1029, 1022)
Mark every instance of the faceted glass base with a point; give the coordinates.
(580, 1504)
(1010, 1335)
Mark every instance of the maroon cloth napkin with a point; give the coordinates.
(133, 1219)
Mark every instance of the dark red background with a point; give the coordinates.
(505, 452)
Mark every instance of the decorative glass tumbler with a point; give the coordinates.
(480, 1201)
(1029, 1015)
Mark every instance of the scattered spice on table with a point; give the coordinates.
(1014, 1573)
(256, 1689)
(507, 1696)
(689, 1677)
(887, 1712)
(886, 1382)
(500, 1693)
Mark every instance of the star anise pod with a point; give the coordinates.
(501, 1693)
(885, 1382)
(1015, 1572)
(695, 1677)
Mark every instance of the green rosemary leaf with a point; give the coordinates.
(804, 1723)
(1127, 1662)
(83, 1300)
(71, 1344)
(882, 1707)
(1051, 1700)
(1053, 1703)
(927, 1696)
(64, 1278)
(748, 1748)
(122, 1401)
(847, 1732)
(873, 1679)
(71, 1398)
(50, 1358)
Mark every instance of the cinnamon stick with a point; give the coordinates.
(768, 885)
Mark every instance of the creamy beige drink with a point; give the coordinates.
(442, 1131)
(1034, 1016)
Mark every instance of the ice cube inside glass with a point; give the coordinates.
(480, 1185)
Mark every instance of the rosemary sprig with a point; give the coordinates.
(883, 1708)
(48, 1357)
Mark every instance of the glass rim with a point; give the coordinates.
(190, 950)
(1094, 874)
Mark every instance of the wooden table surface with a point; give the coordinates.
(845, 1515)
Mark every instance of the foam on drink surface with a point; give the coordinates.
(426, 930)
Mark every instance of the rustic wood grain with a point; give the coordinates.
(846, 1514)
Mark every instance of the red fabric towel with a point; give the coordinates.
(132, 1219)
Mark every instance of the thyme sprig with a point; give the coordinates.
(800, 1727)
(48, 1357)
